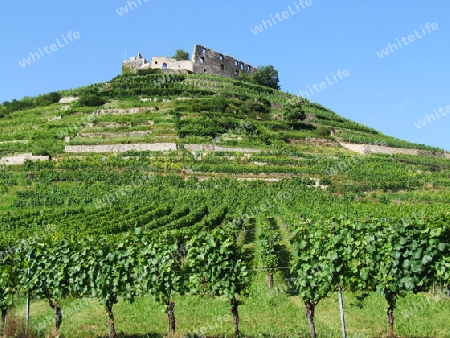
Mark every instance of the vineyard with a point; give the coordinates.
(292, 238)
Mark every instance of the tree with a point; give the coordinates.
(47, 99)
(294, 112)
(181, 55)
(266, 76)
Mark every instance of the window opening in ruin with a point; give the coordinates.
(236, 63)
(156, 62)
(164, 66)
(204, 71)
(236, 72)
(202, 60)
(204, 50)
(221, 57)
(242, 66)
(249, 68)
(222, 67)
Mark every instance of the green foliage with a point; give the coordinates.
(294, 112)
(126, 70)
(270, 246)
(151, 82)
(266, 76)
(47, 99)
(205, 125)
(100, 226)
(181, 55)
(8, 279)
(325, 181)
(323, 131)
(392, 257)
(215, 104)
(108, 267)
(165, 236)
(91, 100)
(257, 107)
(150, 71)
(356, 137)
(384, 200)
(29, 102)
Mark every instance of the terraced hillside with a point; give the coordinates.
(199, 192)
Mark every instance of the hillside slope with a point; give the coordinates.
(217, 126)
(203, 178)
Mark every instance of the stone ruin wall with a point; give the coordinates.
(135, 63)
(207, 61)
(165, 63)
(203, 61)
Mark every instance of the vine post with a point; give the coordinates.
(341, 311)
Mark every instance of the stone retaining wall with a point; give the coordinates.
(116, 134)
(120, 148)
(14, 141)
(373, 148)
(67, 100)
(125, 111)
(20, 159)
(213, 148)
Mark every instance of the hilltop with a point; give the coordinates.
(167, 97)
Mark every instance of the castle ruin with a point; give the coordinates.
(203, 61)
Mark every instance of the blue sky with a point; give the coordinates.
(307, 44)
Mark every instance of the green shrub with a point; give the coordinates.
(252, 106)
(126, 70)
(325, 181)
(294, 112)
(247, 126)
(29, 102)
(91, 100)
(219, 104)
(266, 76)
(41, 152)
(383, 200)
(148, 71)
(323, 131)
(47, 99)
